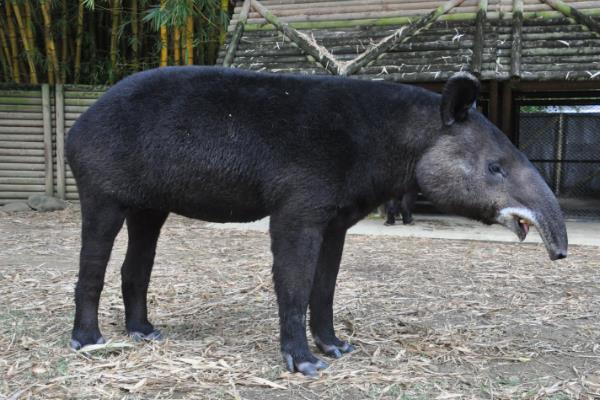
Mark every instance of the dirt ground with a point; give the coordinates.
(430, 318)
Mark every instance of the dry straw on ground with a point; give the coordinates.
(431, 319)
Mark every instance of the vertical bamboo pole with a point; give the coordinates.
(479, 39)
(14, 46)
(223, 28)
(47, 123)
(93, 23)
(60, 141)
(6, 75)
(50, 46)
(515, 55)
(29, 24)
(65, 42)
(176, 45)
(78, 41)
(28, 50)
(49, 61)
(135, 34)
(51, 72)
(189, 35)
(6, 50)
(164, 39)
(115, 11)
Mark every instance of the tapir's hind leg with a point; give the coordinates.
(143, 227)
(295, 255)
(391, 210)
(101, 220)
(321, 297)
(406, 207)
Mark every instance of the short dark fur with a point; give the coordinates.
(316, 154)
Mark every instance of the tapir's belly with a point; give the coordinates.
(208, 197)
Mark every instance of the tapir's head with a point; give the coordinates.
(472, 169)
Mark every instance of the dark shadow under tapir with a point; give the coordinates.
(316, 154)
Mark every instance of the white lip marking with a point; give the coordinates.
(508, 213)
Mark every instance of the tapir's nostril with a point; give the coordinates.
(560, 255)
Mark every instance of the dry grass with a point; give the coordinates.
(430, 319)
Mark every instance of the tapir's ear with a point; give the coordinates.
(458, 96)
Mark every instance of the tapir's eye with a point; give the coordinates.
(496, 169)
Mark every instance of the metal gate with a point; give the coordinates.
(563, 142)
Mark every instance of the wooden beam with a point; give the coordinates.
(399, 36)
(47, 123)
(305, 42)
(60, 141)
(507, 112)
(493, 104)
(237, 34)
(572, 12)
(479, 39)
(517, 28)
(558, 86)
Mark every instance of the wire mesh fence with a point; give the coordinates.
(563, 142)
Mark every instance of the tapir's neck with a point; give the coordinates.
(412, 130)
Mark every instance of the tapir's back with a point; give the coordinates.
(212, 137)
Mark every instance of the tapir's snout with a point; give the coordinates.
(544, 213)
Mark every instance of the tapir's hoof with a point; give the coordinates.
(308, 368)
(411, 222)
(389, 223)
(334, 350)
(76, 344)
(155, 335)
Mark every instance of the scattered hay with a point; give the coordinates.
(432, 319)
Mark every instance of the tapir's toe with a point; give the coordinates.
(77, 345)
(335, 350)
(155, 335)
(308, 366)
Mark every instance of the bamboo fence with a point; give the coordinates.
(34, 122)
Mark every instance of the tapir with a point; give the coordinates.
(403, 205)
(314, 153)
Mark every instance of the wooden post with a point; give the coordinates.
(60, 141)
(237, 34)
(517, 27)
(479, 39)
(507, 113)
(493, 104)
(558, 166)
(47, 121)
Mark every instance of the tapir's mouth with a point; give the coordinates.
(524, 225)
(517, 220)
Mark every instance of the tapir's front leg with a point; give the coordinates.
(295, 256)
(321, 297)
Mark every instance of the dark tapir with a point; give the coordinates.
(403, 205)
(316, 154)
